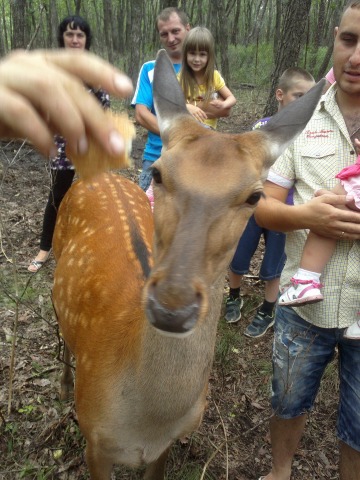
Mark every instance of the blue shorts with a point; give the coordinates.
(300, 355)
(274, 256)
(146, 175)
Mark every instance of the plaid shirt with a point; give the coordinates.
(318, 154)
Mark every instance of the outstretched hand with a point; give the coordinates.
(42, 93)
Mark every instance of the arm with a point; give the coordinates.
(42, 92)
(146, 119)
(320, 214)
(228, 98)
(217, 108)
(220, 107)
(143, 100)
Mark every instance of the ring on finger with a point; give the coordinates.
(341, 235)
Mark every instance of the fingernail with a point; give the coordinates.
(123, 83)
(83, 145)
(117, 143)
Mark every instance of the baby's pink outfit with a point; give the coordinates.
(330, 77)
(150, 194)
(350, 180)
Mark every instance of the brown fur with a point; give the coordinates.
(95, 160)
(144, 349)
(125, 369)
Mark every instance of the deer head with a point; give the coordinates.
(206, 186)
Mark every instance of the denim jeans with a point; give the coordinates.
(274, 256)
(146, 175)
(300, 355)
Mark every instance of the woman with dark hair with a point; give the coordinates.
(73, 23)
(73, 32)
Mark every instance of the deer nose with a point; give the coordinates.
(181, 320)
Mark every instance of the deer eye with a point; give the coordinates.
(254, 198)
(156, 175)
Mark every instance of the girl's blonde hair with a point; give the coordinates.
(199, 38)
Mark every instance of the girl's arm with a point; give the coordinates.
(220, 107)
(228, 98)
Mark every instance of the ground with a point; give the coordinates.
(39, 435)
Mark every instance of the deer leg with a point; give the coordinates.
(100, 467)
(156, 470)
(67, 380)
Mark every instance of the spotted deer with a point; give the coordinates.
(138, 297)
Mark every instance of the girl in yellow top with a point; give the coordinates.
(204, 88)
(207, 97)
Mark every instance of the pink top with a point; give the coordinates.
(350, 171)
(330, 76)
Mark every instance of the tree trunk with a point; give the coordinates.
(258, 21)
(324, 67)
(77, 7)
(3, 32)
(293, 28)
(18, 39)
(52, 22)
(247, 13)
(235, 25)
(277, 31)
(168, 3)
(107, 9)
(135, 39)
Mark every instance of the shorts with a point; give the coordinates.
(146, 175)
(274, 256)
(301, 353)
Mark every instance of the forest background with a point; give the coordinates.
(39, 436)
(256, 40)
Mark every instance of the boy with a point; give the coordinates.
(293, 84)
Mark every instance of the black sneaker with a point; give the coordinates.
(233, 309)
(259, 325)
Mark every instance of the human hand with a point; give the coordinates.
(326, 214)
(217, 103)
(217, 108)
(42, 93)
(339, 190)
(196, 112)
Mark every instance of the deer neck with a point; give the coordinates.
(168, 358)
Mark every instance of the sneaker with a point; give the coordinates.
(259, 325)
(301, 292)
(233, 309)
(353, 331)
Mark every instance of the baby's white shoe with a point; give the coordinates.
(353, 331)
(301, 292)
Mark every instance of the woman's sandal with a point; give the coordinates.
(35, 265)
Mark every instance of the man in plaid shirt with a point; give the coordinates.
(307, 338)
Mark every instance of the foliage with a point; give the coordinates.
(124, 31)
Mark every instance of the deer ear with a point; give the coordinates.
(169, 98)
(286, 125)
